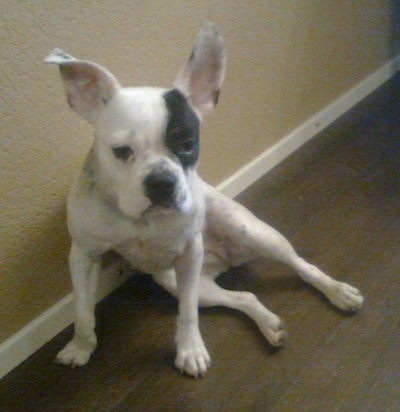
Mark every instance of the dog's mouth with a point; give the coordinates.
(161, 208)
(164, 205)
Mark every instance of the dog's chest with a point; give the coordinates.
(155, 245)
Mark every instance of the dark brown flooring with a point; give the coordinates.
(338, 200)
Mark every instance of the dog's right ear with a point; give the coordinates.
(88, 86)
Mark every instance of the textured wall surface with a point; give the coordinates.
(286, 60)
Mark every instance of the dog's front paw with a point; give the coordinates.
(192, 356)
(345, 297)
(193, 360)
(77, 352)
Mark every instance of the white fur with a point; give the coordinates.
(184, 247)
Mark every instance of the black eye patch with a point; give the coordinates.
(183, 128)
(122, 152)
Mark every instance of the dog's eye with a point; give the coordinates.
(185, 147)
(122, 152)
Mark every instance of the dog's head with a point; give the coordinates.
(146, 139)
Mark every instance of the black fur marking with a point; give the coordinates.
(183, 129)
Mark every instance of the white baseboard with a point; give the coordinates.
(267, 160)
(37, 333)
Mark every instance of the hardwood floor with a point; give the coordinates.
(338, 201)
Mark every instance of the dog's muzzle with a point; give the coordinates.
(161, 187)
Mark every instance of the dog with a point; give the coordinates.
(140, 195)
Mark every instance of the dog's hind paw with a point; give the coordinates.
(345, 297)
(77, 352)
(273, 330)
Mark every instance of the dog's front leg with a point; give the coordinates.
(84, 274)
(192, 356)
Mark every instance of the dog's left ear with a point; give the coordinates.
(201, 78)
(88, 86)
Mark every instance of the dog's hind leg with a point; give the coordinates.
(271, 326)
(248, 237)
(270, 243)
(211, 294)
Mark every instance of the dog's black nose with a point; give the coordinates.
(160, 188)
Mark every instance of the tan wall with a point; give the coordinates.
(287, 60)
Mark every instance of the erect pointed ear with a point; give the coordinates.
(88, 86)
(202, 76)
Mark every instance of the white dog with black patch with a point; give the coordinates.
(139, 194)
